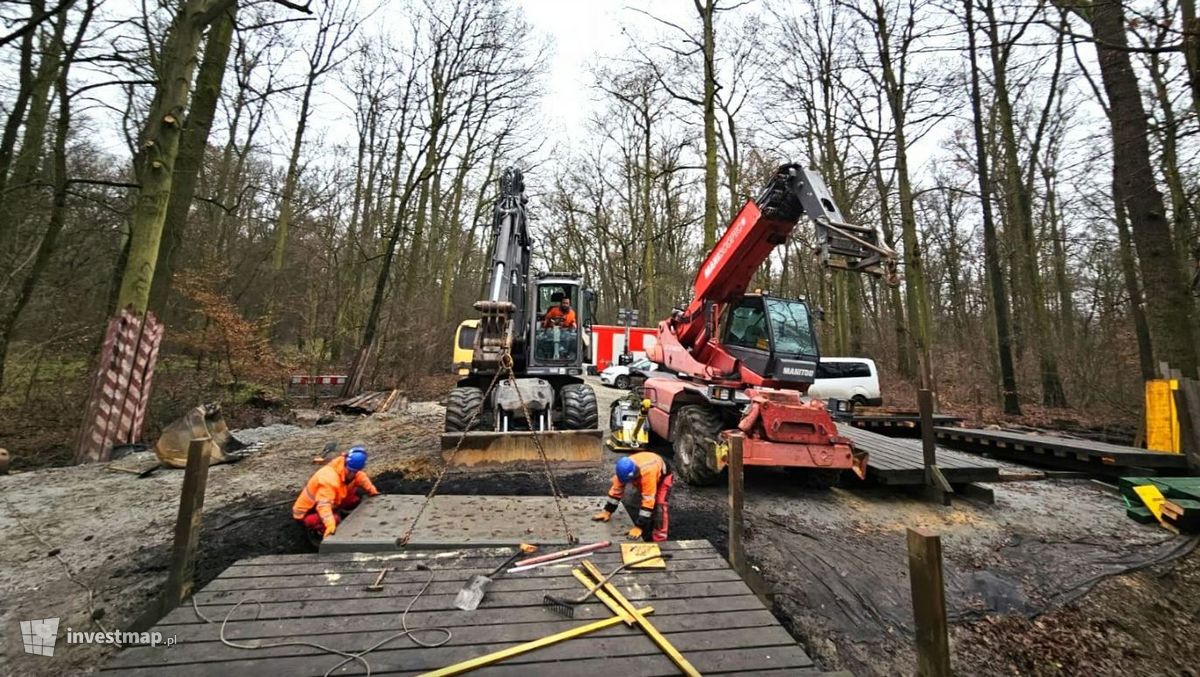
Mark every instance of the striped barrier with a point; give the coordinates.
(121, 386)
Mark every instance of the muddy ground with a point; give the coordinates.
(1034, 582)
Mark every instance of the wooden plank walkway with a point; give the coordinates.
(898, 424)
(894, 460)
(700, 604)
(1060, 452)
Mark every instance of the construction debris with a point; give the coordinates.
(1173, 501)
(377, 402)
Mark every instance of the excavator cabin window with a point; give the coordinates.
(555, 343)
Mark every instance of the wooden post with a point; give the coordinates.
(928, 440)
(929, 603)
(737, 555)
(187, 525)
(1187, 404)
(937, 489)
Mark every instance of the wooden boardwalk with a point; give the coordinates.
(705, 610)
(898, 424)
(1060, 452)
(893, 460)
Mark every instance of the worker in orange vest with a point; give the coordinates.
(332, 492)
(560, 315)
(654, 480)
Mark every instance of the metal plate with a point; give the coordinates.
(472, 522)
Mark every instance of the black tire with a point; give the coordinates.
(463, 405)
(622, 382)
(580, 411)
(859, 401)
(697, 430)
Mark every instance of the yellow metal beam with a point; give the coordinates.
(602, 595)
(677, 658)
(476, 663)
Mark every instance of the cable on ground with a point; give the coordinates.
(347, 656)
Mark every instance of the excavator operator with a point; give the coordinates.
(331, 493)
(560, 315)
(654, 479)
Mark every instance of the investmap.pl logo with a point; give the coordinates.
(40, 636)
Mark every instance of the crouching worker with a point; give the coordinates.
(331, 493)
(651, 475)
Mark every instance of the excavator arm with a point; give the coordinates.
(505, 293)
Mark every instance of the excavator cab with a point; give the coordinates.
(557, 333)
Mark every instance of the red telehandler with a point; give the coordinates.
(737, 364)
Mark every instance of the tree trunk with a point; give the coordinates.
(904, 362)
(1019, 206)
(286, 207)
(58, 208)
(1191, 49)
(1168, 307)
(707, 9)
(1058, 239)
(192, 148)
(1133, 287)
(991, 248)
(154, 166)
(917, 295)
(16, 115)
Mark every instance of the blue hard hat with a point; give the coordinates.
(356, 458)
(626, 468)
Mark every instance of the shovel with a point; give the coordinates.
(472, 593)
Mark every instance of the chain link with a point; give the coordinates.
(507, 364)
(506, 361)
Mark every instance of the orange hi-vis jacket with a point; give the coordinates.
(568, 318)
(326, 490)
(651, 469)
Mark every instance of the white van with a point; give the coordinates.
(847, 378)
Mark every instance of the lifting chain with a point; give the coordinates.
(507, 364)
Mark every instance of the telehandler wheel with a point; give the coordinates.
(697, 429)
(463, 405)
(580, 411)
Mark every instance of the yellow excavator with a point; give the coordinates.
(521, 397)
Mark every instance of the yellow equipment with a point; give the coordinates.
(464, 346)
(1162, 419)
(628, 430)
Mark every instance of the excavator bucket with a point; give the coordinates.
(516, 449)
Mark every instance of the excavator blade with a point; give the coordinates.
(516, 449)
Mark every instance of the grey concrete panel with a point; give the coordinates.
(473, 522)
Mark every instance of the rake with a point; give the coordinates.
(566, 607)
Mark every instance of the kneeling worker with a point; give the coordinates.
(654, 479)
(332, 492)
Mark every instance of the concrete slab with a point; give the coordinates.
(472, 522)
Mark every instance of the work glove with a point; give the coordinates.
(602, 516)
(329, 529)
(635, 533)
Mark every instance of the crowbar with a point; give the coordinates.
(476, 663)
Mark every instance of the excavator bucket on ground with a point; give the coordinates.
(517, 448)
